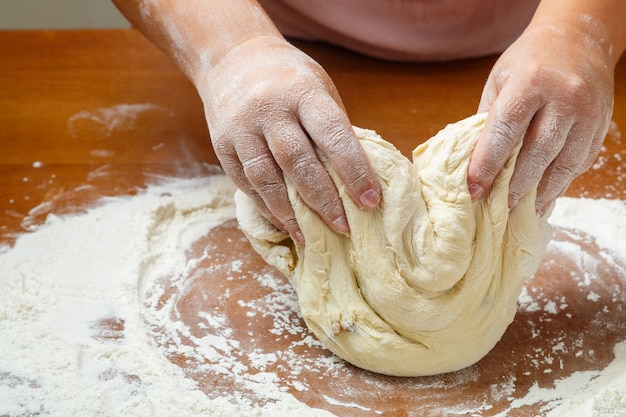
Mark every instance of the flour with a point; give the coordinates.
(80, 320)
(107, 120)
(588, 393)
(73, 337)
(595, 393)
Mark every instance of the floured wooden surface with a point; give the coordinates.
(230, 323)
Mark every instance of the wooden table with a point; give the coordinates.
(84, 114)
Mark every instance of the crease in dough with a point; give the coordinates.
(425, 284)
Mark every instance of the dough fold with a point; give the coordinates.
(425, 284)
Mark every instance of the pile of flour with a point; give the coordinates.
(73, 338)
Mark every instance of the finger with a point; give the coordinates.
(328, 126)
(490, 92)
(226, 154)
(296, 156)
(507, 121)
(543, 142)
(572, 160)
(265, 184)
(594, 149)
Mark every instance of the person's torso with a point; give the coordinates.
(406, 29)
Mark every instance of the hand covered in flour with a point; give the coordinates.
(269, 106)
(553, 90)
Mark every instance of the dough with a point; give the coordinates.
(427, 283)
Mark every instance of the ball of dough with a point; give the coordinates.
(425, 284)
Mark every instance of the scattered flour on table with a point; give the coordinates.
(107, 122)
(73, 336)
(73, 339)
(114, 118)
(601, 393)
(589, 393)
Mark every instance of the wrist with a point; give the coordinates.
(238, 58)
(585, 31)
(196, 34)
(601, 20)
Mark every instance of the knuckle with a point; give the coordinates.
(588, 162)
(563, 172)
(290, 150)
(516, 194)
(537, 160)
(268, 186)
(555, 181)
(317, 189)
(358, 174)
(262, 173)
(536, 73)
(335, 140)
(504, 132)
(549, 191)
(576, 87)
(258, 167)
(302, 166)
(223, 147)
(329, 208)
(484, 175)
(290, 223)
(264, 103)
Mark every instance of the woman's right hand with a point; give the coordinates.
(269, 107)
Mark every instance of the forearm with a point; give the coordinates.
(197, 33)
(604, 20)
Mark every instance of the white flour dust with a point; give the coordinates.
(73, 320)
(73, 336)
(110, 119)
(590, 393)
(105, 123)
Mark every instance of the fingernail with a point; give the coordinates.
(476, 191)
(341, 225)
(370, 199)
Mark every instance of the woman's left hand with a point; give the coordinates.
(553, 90)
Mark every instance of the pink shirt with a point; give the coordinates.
(416, 30)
